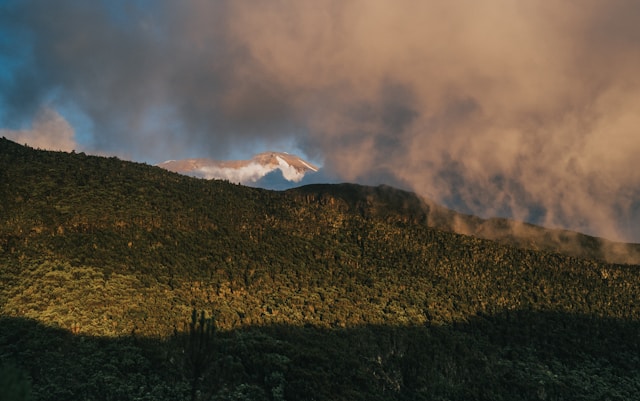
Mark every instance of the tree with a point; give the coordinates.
(199, 349)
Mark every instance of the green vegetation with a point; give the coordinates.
(124, 281)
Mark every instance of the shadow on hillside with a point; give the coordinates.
(520, 355)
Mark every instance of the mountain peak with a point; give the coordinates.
(292, 167)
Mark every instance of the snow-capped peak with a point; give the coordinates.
(293, 168)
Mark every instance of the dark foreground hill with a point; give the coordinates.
(125, 281)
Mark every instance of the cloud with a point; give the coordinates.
(50, 131)
(515, 108)
(508, 108)
(249, 173)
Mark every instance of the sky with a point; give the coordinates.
(516, 108)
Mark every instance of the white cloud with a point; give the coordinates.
(249, 173)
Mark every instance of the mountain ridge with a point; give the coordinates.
(384, 201)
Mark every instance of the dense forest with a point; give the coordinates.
(123, 281)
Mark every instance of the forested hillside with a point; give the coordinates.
(125, 281)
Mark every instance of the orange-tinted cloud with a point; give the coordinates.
(49, 131)
(517, 108)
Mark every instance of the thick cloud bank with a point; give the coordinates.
(518, 108)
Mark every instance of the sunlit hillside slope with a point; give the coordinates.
(125, 281)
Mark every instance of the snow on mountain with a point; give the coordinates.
(292, 168)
